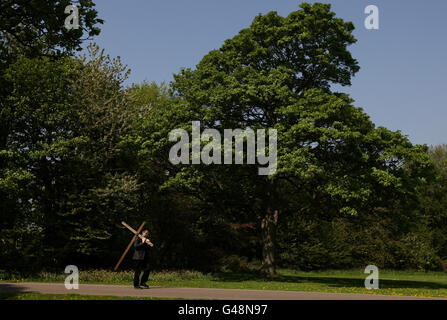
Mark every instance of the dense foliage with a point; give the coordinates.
(80, 152)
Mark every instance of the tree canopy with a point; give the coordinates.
(37, 27)
(277, 74)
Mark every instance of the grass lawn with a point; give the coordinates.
(407, 283)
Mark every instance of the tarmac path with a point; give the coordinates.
(189, 293)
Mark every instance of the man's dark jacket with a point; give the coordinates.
(141, 250)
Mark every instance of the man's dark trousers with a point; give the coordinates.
(141, 265)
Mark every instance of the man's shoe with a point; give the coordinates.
(145, 286)
(137, 287)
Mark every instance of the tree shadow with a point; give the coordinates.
(10, 292)
(328, 281)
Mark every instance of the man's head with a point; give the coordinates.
(145, 233)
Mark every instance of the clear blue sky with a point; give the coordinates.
(402, 83)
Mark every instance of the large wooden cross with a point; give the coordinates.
(136, 234)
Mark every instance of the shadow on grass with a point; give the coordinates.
(10, 292)
(329, 281)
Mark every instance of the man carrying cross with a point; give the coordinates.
(141, 257)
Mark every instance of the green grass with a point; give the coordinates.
(44, 296)
(407, 283)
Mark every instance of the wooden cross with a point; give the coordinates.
(136, 234)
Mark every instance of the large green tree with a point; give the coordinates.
(34, 106)
(433, 201)
(331, 159)
(70, 177)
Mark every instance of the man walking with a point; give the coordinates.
(141, 257)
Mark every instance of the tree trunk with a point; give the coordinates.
(268, 227)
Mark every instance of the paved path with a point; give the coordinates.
(190, 293)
